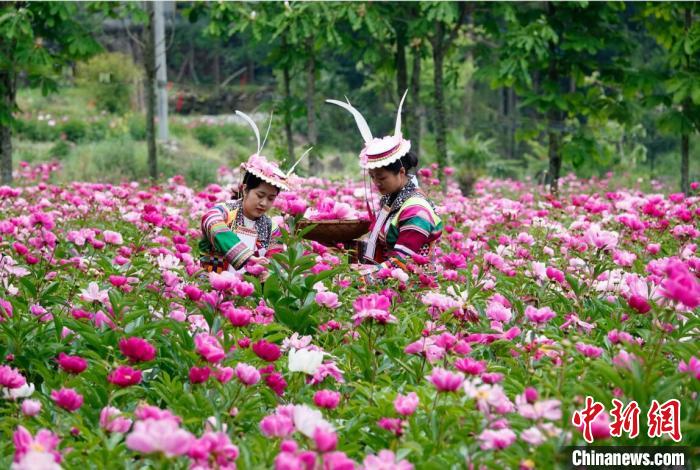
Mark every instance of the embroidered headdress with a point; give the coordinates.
(258, 165)
(377, 152)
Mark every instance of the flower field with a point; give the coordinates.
(116, 351)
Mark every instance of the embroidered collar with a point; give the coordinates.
(263, 225)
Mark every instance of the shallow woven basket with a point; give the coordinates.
(330, 232)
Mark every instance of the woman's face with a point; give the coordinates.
(258, 200)
(386, 181)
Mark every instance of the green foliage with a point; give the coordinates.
(111, 78)
(75, 130)
(206, 134)
(137, 126)
(60, 150)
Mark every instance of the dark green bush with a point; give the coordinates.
(59, 150)
(75, 130)
(137, 127)
(207, 135)
(37, 131)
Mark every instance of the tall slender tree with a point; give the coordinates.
(37, 40)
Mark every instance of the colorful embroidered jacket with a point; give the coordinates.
(409, 226)
(227, 241)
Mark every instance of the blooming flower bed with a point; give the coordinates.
(114, 347)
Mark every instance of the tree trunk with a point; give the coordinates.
(468, 100)
(400, 59)
(685, 138)
(193, 71)
(553, 118)
(685, 164)
(216, 68)
(149, 55)
(287, 107)
(439, 111)
(415, 107)
(8, 82)
(314, 162)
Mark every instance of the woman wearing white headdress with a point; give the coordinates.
(406, 227)
(237, 232)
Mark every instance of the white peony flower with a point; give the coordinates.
(305, 360)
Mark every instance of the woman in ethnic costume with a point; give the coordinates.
(406, 227)
(238, 232)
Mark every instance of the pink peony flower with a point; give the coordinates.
(67, 398)
(11, 378)
(539, 315)
(209, 348)
(163, 436)
(199, 375)
(247, 374)
(589, 350)
(446, 381)
(111, 420)
(277, 425)
(406, 405)
(692, 368)
(125, 376)
(113, 238)
(72, 364)
(385, 460)
(374, 307)
(470, 366)
(325, 439)
(327, 299)
(680, 284)
(327, 399)
(137, 349)
(213, 448)
(266, 351)
(496, 440)
(44, 442)
(31, 407)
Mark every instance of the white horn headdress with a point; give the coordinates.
(378, 152)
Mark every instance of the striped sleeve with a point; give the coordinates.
(222, 238)
(418, 225)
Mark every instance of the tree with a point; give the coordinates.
(447, 18)
(676, 27)
(37, 40)
(565, 61)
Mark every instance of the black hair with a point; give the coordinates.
(251, 182)
(408, 161)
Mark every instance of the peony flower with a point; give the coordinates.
(11, 378)
(163, 436)
(406, 405)
(72, 364)
(125, 376)
(199, 375)
(385, 460)
(111, 420)
(305, 360)
(277, 425)
(374, 307)
(209, 348)
(539, 315)
(31, 407)
(113, 238)
(67, 398)
(327, 299)
(213, 447)
(94, 294)
(247, 374)
(266, 351)
(327, 399)
(44, 443)
(692, 368)
(306, 420)
(681, 285)
(496, 440)
(446, 381)
(137, 349)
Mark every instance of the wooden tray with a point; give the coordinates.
(331, 232)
